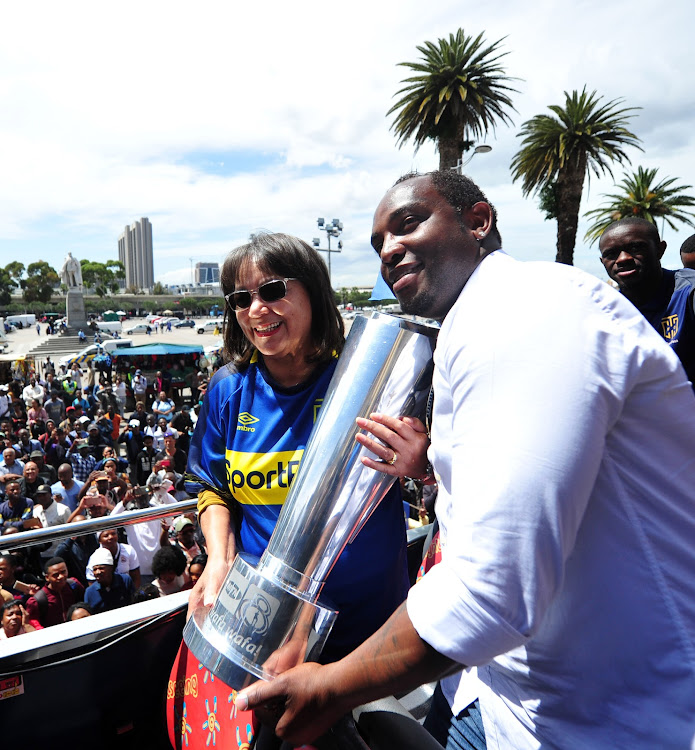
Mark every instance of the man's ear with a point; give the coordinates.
(478, 218)
(662, 249)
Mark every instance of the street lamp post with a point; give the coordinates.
(332, 229)
(483, 148)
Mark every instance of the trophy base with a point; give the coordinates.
(213, 657)
(257, 628)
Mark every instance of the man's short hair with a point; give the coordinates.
(53, 561)
(634, 221)
(689, 245)
(459, 191)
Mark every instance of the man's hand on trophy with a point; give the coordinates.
(293, 652)
(401, 447)
(297, 704)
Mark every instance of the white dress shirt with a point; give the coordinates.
(563, 439)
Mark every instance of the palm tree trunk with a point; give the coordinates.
(570, 184)
(449, 153)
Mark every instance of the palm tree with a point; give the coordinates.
(458, 93)
(641, 198)
(557, 152)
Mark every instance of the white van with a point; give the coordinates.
(84, 357)
(22, 321)
(109, 326)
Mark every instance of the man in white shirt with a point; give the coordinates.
(50, 513)
(163, 407)
(31, 392)
(124, 556)
(562, 442)
(144, 536)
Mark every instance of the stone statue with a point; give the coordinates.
(71, 273)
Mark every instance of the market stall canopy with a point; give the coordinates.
(155, 349)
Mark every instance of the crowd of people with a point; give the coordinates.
(70, 453)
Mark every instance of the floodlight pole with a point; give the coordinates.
(332, 229)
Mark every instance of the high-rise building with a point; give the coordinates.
(135, 252)
(207, 273)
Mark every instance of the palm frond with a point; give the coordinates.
(644, 199)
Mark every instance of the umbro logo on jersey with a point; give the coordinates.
(245, 420)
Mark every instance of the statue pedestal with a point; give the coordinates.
(74, 308)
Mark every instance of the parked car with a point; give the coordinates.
(209, 326)
(185, 324)
(138, 328)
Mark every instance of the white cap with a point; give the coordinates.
(101, 556)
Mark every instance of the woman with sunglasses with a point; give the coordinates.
(283, 335)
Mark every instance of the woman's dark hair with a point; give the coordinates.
(201, 559)
(168, 558)
(284, 256)
(145, 594)
(74, 607)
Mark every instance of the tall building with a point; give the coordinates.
(135, 252)
(207, 273)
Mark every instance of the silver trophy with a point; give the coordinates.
(268, 616)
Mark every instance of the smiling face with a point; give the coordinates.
(280, 330)
(631, 255)
(57, 576)
(427, 254)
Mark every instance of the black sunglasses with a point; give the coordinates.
(271, 291)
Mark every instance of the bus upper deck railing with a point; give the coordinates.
(130, 518)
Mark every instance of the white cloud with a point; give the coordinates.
(105, 109)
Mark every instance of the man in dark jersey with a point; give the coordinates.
(631, 252)
(688, 252)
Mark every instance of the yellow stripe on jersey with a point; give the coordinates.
(261, 478)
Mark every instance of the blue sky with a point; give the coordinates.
(218, 120)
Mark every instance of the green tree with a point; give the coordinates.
(102, 277)
(459, 92)
(16, 270)
(642, 198)
(584, 136)
(7, 285)
(40, 283)
(159, 288)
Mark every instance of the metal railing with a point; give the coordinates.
(95, 525)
